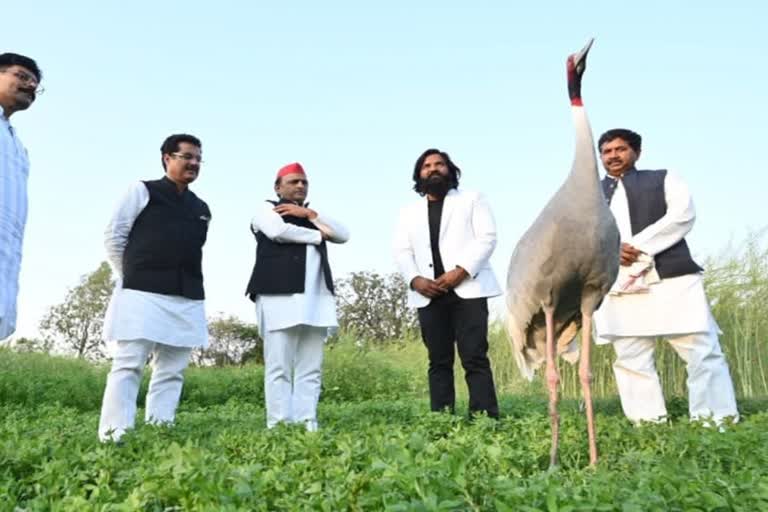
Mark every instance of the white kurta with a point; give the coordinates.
(671, 306)
(317, 305)
(14, 170)
(135, 314)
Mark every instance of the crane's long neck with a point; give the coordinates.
(584, 173)
(584, 170)
(574, 83)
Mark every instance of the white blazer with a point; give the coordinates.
(467, 239)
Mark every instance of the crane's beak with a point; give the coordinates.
(580, 56)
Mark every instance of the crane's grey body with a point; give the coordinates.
(562, 268)
(569, 255)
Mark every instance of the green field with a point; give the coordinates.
(378, 448)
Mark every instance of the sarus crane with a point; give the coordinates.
(562, 268)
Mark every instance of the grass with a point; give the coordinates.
(378, 448)
(378, 455)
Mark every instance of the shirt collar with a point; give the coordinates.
(5, 122)
(451, 192)
(630, 171)
(171, 185)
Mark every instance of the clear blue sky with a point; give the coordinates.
(355, 93)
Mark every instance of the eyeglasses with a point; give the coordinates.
(26, 78)
(187, 157)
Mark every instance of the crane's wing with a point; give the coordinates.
(537, 271)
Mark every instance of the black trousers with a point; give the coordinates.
(447, 320)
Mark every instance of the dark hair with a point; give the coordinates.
(171, 144)
(453, 169)
(634, 140)
(14, 59)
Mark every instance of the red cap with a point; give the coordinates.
(294, 168)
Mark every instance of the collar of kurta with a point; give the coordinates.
(630, 171)
(610, 183)
(286, 201)
(4, 121)
(170, 183)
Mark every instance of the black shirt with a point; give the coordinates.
(434, 213)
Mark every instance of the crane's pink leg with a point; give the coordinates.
(553, 379)
(585, 375)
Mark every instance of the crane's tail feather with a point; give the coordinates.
(526, 366)
(527, 359)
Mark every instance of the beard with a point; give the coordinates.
(436, 185)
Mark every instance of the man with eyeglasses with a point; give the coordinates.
(154, 244)
(292, 287)
(19, 81)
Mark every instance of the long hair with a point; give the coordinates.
(454, 173)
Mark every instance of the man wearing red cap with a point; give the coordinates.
(292, 287)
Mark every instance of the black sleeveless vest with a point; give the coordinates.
(281, 268)
(647, 204)
(164, 253)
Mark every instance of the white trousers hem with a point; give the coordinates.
(293, 359)
(118, 410)
(711, 394)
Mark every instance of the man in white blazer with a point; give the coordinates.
(442, 247)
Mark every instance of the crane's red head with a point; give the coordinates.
(575, 65)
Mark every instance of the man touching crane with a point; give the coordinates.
(659, 291)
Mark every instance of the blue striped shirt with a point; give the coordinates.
(14, 170)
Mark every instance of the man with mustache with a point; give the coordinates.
(292, 287)
(19, 81)
(442, 247)
(154, 244)
(659, 291)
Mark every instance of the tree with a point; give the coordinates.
(231, 341)
(25, 345)
(75, 325)
(374, 307)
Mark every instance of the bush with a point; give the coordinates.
(31, 379)
(350, 374)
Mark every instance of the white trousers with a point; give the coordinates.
(710, 389)
(293, 360)
(118, 410)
